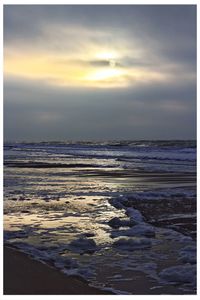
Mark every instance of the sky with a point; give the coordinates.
(99, 72)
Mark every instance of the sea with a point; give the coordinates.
(114, 213)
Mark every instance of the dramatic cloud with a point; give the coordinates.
(82, 72)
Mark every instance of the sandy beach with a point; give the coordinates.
(25, 276)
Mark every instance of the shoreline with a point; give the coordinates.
(26, 276)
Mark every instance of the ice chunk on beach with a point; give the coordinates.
(82, 245)
(117, 222)
(179, 274)
(134, 215)
(64, 262)
(118, 202)
(142, 229)
(188, 254)
(132, 244)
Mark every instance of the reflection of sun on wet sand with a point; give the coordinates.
(177, 213)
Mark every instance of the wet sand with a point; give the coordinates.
(178, 214)
(25, 276)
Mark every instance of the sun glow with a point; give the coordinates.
(71, 71)
(105, 74)
(65, 71)
(107, 55)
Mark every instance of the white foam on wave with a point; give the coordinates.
(82, 245)
(170, 234)
(132, 244)
(188, 254)
(138, 230)
(179, 274)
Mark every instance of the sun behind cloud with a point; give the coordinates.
(104, 74)
(95, 71)
(87, 61)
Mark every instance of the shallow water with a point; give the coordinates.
(60, 198)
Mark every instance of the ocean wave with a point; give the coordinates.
(33, 164)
